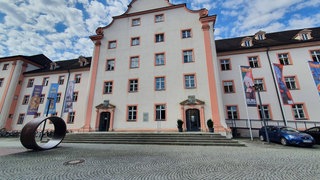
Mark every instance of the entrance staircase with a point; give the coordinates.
(196, 139)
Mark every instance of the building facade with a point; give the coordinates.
(147, 71)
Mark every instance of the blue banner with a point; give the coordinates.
(35, 100)
(248, 83)
(68, 100)
(315, 70)
(284, 91)
(52, 99)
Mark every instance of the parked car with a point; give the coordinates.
(286, 136)
(315, 133)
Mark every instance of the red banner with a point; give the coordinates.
(284, 91)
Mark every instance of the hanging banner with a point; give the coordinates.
(35, 100)
(69, 97)
(315, 70)
(284, 91)
(52, 98)
(248, 85)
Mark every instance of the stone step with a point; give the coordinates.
(201, 139)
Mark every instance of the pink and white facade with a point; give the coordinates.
(158, 63)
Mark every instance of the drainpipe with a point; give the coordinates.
(65, 92)
(277, 88)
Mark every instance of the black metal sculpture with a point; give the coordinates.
(30, 130)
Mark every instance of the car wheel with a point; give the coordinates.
(283, 141)
(261, 138)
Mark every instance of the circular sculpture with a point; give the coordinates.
(30, 130)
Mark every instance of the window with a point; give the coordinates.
(133, 85)
(290, 82)
(253, 62)
(225, 64)
(265, 109)
(160, 83)
(284, 58)
(186, 33)
(228, 86)
(298, 111)
(75, 97)
(259, 83)
(315, 55)
(107, 87)
(232, 112)
(132, 113)
(1, 81)
(134, 62)
(45, 81)
(136, 22)
(21, 118)
(71, 116)
(58, 97)
(260, 37)
(159, 37)
(112, 44)
(159, 18)
(247, 43)
(304, 36)
(160, 112)
(5, 67)
(110, 65)
(77, 78)
(135, 41)
(188, 56)
(42, 98)
(159, 59)
(61, 80)
(189, 81)
(25, 100)
(30, 83)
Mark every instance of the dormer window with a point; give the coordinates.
(261, 35)
(83, 61)
(246, 42)
(303, 35)
(53, 66)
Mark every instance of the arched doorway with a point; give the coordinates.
(193, 120)
(104, 123)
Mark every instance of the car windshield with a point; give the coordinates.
(288, 129)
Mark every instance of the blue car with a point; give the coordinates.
(286, 136)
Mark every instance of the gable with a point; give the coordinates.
(144, 5)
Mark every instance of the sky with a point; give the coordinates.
(60, 29)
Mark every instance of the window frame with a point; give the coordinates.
(132, 114)
(21, 118)
(71, 117)
(42, 97)
(162, 60)
(134, 62)
(159, 37)
(133, 86)
(184, 56)
(296, 109)
(77, 78)
(255, 61)
(108, 88)
(1, 81)
(284, 60)
(225, 66)
(186, 33)
(290, 84)
(135, 41)
(75, 96)
(110, 67)
(267, 111)
(5, 67)
(160, 112)
(315, 55)
(187, 81)
(233, 90)
(30, 83)
(162, 83)
(112, 44)
(45, 81)
(159, 15)
(26, 99)
(135, 22)
(61, 80)
(233, 113)
(58, 99)
(263, 84)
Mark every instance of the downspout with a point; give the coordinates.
(277, 88)
(65, 92)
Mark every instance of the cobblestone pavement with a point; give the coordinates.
(257, 160)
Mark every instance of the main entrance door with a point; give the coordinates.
(193, 120)
(104, 121)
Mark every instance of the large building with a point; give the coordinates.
(158, 63)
